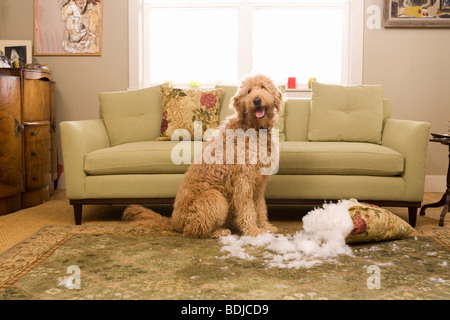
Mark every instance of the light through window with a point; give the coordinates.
(192, 44)
(216, 41)
(299, 42)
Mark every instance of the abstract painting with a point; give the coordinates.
(417, 13)
(68, 27)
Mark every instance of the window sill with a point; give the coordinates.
(299, 92)
(299, 89)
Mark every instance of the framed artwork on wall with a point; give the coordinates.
(68, 27)
(417, 13)
(17, 50)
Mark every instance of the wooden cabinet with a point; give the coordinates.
(28, 154)
(11, 177)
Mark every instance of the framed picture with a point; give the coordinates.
(17, 50)
(68, 27)
(417, 13)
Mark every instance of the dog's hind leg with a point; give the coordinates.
(206, 216)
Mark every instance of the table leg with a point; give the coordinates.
(445, 210)
(440, 203)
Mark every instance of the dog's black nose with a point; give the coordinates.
(257, 101)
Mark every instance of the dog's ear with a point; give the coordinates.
(279, 99)
(236, 103)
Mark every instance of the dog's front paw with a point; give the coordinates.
(220, 233)
(253, 232)
(270, 228)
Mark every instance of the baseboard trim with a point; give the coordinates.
(435, 183)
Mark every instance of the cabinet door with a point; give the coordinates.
(36, 99)
(11, 170)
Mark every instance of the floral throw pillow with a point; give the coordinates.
(372, 223)
(182, 108)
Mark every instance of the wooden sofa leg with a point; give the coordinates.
(78, 210)
(412, 215)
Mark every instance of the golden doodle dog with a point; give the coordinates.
(215, 198)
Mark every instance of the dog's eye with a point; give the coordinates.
(249, 90)
(262, 87)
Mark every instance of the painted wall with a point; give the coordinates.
(78, 79)
(412, 64)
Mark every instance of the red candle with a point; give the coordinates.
(292, 83)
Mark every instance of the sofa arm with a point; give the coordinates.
(410, 138)
(78, 138)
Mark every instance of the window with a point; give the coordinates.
(218, 41)
(192, 44)
(302, 42)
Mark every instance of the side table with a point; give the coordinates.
(445, 200)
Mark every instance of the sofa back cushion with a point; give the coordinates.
(297, 111)
(346, 113)
(132, 116)
(296, 122)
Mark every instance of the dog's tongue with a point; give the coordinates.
(260, 112)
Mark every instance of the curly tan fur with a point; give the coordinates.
(214, 199)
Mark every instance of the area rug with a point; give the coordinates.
(121, 262)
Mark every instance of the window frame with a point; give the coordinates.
(353, 52)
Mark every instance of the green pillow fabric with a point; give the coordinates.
(225, 110)
(346, 113)
(131, 116)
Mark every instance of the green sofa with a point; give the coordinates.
(116, 159)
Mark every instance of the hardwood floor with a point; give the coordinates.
(58, 195)
(431, 197)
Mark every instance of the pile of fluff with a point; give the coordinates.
(321, 239)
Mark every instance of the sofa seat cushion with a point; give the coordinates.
(296, 157)
(146, 157)
(339, 158)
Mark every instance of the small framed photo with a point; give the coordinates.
(68, 27)
(417, 14)
(17, 50)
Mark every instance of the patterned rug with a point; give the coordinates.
(121, 262)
